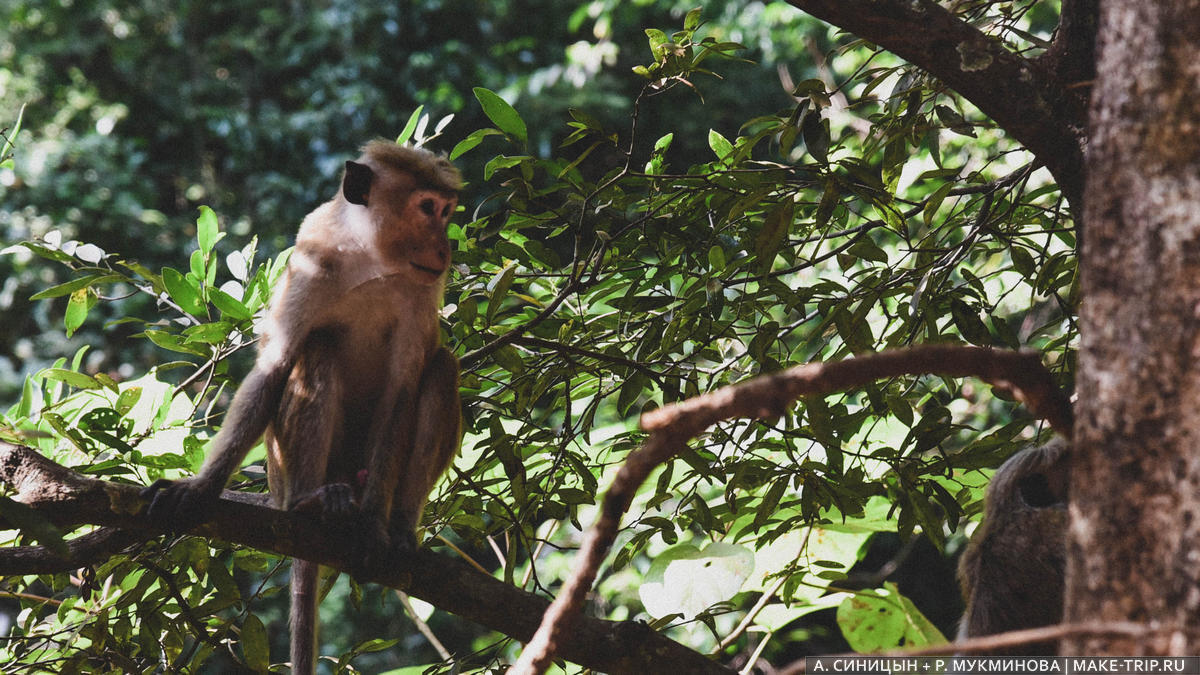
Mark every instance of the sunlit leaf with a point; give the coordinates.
(720, 145)
(409, 127)
(207, 230)
(71, 377)
(183, 291)
(686, 580)
(78, 306)
(503, 115)
(885, 619)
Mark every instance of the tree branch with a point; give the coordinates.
(1046, 115)
(672, 426)
(68, 499)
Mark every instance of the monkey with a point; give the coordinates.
(1012, 572)
(354, 395)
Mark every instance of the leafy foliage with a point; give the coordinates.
(638, 262)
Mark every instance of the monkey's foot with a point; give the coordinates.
(334, 502)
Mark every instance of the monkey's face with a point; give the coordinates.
(411, 233)
(407, 218)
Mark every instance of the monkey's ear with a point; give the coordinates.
(357, 183)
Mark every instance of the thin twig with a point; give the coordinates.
(423, 627)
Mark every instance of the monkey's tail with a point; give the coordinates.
(305, 576)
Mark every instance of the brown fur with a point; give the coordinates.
(350, 376)
(1012, 571)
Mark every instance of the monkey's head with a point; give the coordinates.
(1012, 571)
(409, 195)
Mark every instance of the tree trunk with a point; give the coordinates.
(1134, 542)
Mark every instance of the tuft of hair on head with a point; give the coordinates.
(432, 170)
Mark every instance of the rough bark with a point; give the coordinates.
(1134, 541)
(1041, 103)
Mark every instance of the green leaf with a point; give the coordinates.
(472, 140)
(44, 251)
(716, 259)
(503, 115)
(658, 155)
(953, 121)
(865, 249)
(74, 285)
(183, 291)
(81, 301)
(632, 389)
(410, 126)
(127, 399)
(502, 162)
(377, 645)
(969, 325)
(229, 305)
(498, 289)
(71, 377)
(509, 358)
(935, 202)
(830, 198)
(1023, 262)
(685, 580)
(720, 145)
(664, 142)
(207, 230)
(255, 648)
(658, 40)
(816, 136)
(692, 20)
(771, 236)
(885, 619)
(208, 333)
(172, 342)
(196, 263)
(6, 149)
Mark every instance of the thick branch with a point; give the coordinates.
(672, 426)
(770, 395)
(1040, 112)
(1071, 58)
(68, 499)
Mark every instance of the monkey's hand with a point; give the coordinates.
(180, 505)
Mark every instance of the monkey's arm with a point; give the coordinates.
(183, 503)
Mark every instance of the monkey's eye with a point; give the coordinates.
(428, 207)
(446, 211)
